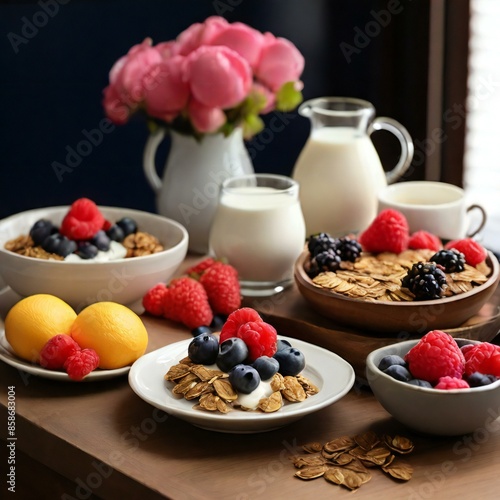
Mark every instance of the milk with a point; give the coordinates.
(260, 230)
(339, 173)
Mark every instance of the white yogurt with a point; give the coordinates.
(251, 401)
(116, 251)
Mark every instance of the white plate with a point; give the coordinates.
(8, 356)
(332, 374)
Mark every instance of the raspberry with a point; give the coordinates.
(186, 302)
(198, 269)
(81, 363)
(448, 383)
(474, 252)
(235, 320)
(260, 338)
(82, 221)
(56, 351)
(436, 355)
(483, 358)
(223, 288)
(153, 300)
(388, 232)
(424, 239)
(107, 225)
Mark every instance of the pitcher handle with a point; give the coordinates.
(407, 148)
(148, 159)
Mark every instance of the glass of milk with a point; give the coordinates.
(259, 228)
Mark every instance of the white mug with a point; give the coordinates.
(436, 207)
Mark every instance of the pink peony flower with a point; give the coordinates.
(115, 109)
(166, 91)
(127, 80)
(199, 81)
(205, 119)
(280, 62)
(199, 34)
(218, 77)
(241, 38)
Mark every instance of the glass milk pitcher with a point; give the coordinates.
(339, 170)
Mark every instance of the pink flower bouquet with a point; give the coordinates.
(214, 77)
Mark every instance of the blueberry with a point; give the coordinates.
(420, 383)
(101, 241)
(41, 229)
(477, 379)
(282, 344)
(399, 373)
(200, 330)
(59, 244)
(291, 361)
(218, 322)
(244, 378)
(266, 367)
(232, 352)
(127, 225)
(86, 250)
(204, 349)
(390, 360)
(115, 233)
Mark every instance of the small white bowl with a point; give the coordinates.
(81, 283)
(432, 411)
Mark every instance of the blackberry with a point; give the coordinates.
(322, 262)
(348, 249)
(320, 242)
(452, 260)
(425, 280)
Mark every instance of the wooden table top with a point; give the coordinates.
(100, 440)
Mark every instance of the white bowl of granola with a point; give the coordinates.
(82, 282)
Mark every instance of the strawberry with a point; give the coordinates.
(223, 288)
(474, 252)
(424, 239)
(186, 301)
(388, 232)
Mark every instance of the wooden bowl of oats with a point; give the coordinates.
(368, 295)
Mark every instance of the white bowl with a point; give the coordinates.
(81, 283)
(432, 411)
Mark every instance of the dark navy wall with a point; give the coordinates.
(55, 56)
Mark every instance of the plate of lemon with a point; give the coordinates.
(111, 333)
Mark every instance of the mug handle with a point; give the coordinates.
(407, 148)
(148, 159)
(483, 221)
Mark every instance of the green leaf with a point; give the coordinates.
(252, 125)
(287, 97)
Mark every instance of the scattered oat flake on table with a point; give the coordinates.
(347, 460)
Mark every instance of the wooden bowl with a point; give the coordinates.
(396, 317)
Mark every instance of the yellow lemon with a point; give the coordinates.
(115, 332)
(33, 321)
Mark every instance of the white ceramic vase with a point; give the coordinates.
(194, 172)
